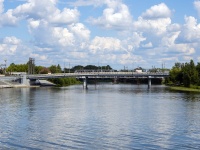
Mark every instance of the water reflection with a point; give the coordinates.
(103, 117)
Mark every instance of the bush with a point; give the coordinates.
(64, 81)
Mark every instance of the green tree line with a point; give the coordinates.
(53, 68)
(38, 69)
(186, 74)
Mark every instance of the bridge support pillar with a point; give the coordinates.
(85, 82)
(115, 80)
(149, 81)
(23, 79)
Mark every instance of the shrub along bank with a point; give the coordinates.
(64, 81)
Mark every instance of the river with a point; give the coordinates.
(106, 116)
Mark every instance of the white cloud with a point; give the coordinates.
(34, 9)
(1, 6)
(157, 11)
(67, 16)
(80, 55)
(157, 26)
(197, 6)
(187, 58)
(80, 31)
(11, 40)
(46, 35)
(133, 41)
(9, 45)
(115, 16)
(34, 23)
(7, 18)
(198, 59)
(185, 49)
(57, 35)
(148, 45)
(169, 39)
(105, 45)
(39, 57)
(190, 32)
(130, 59)
(63, 36)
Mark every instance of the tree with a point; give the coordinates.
(193, 73)
(58, 69)
(17, 68)
(186, 80)
(198, 71)
(38, 69)
(53, 69)
(79, 67)
(91, 67)
(175, 73)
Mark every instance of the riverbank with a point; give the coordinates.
(184, 89)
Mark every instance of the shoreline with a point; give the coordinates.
(16, 86)
(183, 89)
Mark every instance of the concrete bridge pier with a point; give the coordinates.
(85, 82)
(149, 81)
(23, 79)
(115, 80)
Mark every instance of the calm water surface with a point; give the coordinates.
(103, 117)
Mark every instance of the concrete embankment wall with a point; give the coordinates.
(12, 84)
(4, 85)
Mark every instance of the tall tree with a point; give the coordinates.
(53, 69)
(58, 70)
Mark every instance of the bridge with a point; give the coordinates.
(86, 75)
(27, 79)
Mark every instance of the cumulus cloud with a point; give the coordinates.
(105, 45)
(157, 11)
(155, 26)
(187, 58)
(130, 59)
(9, 45)
(190, 32)
(197, 6)
(80, 31)
(38, 56)
(7, 18)
(35, 9)
(183, 49)
(68, 37)
(58, 34)
(1, 6)
(148, 45)
(67, 16)
(115, 16)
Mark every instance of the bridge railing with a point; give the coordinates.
(79, 74)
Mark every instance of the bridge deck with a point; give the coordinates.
(100, 75)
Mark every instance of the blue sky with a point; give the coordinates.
(118, 33)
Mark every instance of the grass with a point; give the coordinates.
(186, 89)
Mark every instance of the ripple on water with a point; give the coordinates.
(102, 117)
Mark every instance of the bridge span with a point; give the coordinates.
(27, 79)
(114, 75)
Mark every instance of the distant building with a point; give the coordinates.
(139, 70)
